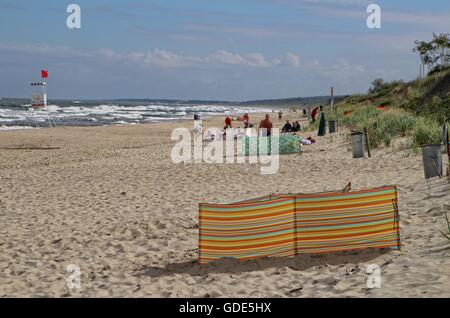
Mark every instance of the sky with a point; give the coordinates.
(231, 50)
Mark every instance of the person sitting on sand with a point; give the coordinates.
(296, 127)
(287, 128)
(267, 125)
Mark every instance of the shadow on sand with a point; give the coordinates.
(230, 265)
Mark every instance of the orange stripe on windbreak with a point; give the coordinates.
(355, 248)
(343, 223)
(352, 235)
(206, 247)
(345, 214)
(337, 204)
(334, 194)
(330, 208)
(290, 224)
(303, 231)
(204, 233)
(252, 207)
(253, 217)
(239, 205)
(225, 210)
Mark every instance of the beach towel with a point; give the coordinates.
(287, 144)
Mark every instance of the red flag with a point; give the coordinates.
(44, 74)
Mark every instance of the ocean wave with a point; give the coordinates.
(88, 113)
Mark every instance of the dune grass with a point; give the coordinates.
(386, 125)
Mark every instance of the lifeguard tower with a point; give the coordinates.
(39, 99)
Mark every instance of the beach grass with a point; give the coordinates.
(386, 125)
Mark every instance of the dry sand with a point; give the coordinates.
(111, 201)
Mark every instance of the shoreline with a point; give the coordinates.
(171, 121)
(5, 128)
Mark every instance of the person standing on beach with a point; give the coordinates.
(267, 125)
(314, 114)
(228, 122)
(280, 115)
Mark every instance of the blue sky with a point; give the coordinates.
(211, 49)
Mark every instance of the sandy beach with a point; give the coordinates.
(110, 200)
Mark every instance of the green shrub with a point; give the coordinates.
(426, 132)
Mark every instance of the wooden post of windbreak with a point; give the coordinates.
(448, 141)
(366, 137)
(332, 97)
(200, 236)
(335, 108)
(397, 219)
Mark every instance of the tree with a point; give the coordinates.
(377, 85)
(434, 54)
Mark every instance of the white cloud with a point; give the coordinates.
(293, 59)
(157, 57)
(252, 59)
(166, 59)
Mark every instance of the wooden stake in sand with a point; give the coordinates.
(366, 137)
(335, 108)
(437, 169)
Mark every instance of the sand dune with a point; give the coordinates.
(111, 201)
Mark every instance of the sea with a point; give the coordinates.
(17, 113)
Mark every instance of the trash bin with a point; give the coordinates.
(332, 125)
(358, 147)
(432, 161)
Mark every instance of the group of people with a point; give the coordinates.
(288, 127)
(266, 124)
(245, 119)
(266, 127)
